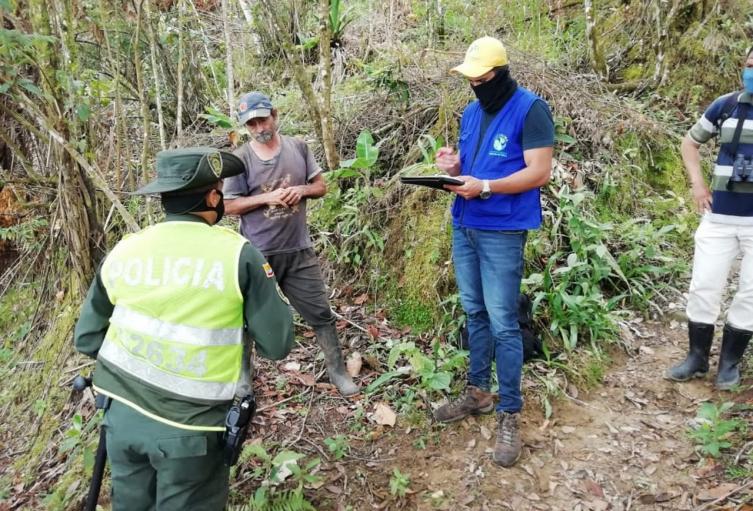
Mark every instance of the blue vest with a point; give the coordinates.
(499, 155)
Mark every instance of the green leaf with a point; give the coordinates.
(259, 500)
(383, 378)
(256, 451)
(214, 116)
(547, 408)
(30, 87)
(359, 163)
(83, 111)
(707, 411)
(285, 457)
(309, 44)
(365, 149)
(564, 138)
(438, 381)
(88, 460)
(68, 444)
(398, 350)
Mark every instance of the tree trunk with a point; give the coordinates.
(155, 73)
(181, 58)
(598, 63)
(325, 68)
(143, 100)
(228, 60)
(80, 225)
(318, 107)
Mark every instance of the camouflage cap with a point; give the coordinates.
(191, 168)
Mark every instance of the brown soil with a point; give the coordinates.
(622, 446)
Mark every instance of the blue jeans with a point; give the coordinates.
(488, 269)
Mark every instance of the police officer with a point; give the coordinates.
(166, 318)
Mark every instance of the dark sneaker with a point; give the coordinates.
(473, 401)
(507, 448)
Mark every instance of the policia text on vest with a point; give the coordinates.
(169, 319)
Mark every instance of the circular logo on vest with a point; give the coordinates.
(215, 163)
(500, 141)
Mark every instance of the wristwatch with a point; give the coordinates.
(486, 191)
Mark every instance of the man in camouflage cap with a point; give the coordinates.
(166, 318)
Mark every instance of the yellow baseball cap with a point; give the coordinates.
(482, 55)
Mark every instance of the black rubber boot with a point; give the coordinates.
(696, 364)
(734, 342)
(326, 336)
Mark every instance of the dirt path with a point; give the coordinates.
(623, 446)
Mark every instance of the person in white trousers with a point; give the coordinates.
(725, 232)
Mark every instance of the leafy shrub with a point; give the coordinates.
(713, 431)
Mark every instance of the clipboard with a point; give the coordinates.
(437, 181)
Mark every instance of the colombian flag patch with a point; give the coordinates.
(268, 270)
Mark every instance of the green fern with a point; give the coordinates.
(288, 500)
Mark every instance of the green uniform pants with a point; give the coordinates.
(158, 467)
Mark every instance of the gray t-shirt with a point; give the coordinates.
(274, 229)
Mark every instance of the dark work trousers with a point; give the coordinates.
(157, 466)
(300, 278)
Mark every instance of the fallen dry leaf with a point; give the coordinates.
(354, 364)
(384, 415)
(598, 505)
(647, 498)
(372, 361)
(375, 434)
(305, 379)
(593, 488)
(717, 492)
(664, 497)
(292, 366)
(373, 331)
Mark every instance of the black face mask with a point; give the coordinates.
(495, 93)
(220, 208)
(194, 202)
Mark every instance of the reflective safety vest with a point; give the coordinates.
(177, 324)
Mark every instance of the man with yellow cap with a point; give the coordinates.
(165, 318)
(504, 156)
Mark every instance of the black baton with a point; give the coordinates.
(101, 402)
